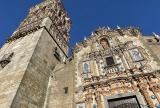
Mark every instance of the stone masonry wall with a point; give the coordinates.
(62, 77)
(33, 88)
(12, 74)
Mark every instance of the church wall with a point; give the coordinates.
(12, 74)
(33, 88)
(124, 73)
(61, 86)
(154, 44)
(110, 67)
(43, 37)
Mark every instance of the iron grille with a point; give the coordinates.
(127, 102)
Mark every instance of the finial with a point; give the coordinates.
(155, 35)
(92, 33)
(118, 27)
(64, 60)
(67, 19)
(108, 27)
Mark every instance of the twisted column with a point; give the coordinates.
(89, 100)
(98, 100)
(155, 91)
(144, 90)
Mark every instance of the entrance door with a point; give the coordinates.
(127, 102)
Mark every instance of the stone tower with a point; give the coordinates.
(30, 55)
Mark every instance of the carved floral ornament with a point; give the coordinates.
(103, 81)
(156, 87)
(109, 89)
(99, 55)
(115, 50)
(106, 33)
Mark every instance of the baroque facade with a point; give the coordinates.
(112, 68)
(115, 68)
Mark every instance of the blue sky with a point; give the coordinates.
(87, 15)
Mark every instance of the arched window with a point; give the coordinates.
(136, 55)
(104, 43)
(85, 67)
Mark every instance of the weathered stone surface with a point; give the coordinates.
(33, 87)
(109, 64)
(24, 77)
(12, 74)
(62, 77)
(35, 71)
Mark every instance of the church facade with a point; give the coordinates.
(115, 68)
(111, 68)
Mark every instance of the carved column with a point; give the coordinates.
(89, 103)
(89, 100)
(152, 86)
(98, 100)
(153, 89)
(124, 61)
(124, 87)
(157, 90)
(144, 90)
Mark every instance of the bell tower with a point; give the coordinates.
(29, 56)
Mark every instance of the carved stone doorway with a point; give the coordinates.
(125, 102)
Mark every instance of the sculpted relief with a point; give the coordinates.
(120, 67)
